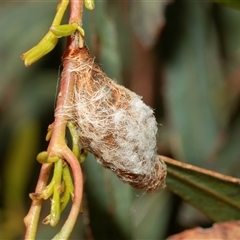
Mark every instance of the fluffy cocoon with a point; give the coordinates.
(114, 124)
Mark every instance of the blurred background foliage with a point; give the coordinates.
(183, 57)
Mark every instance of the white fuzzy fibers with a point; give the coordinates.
(115, 125)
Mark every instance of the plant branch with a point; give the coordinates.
(31, 219)
(78, 191)
(76, 10)
(57, 145)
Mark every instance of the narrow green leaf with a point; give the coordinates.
(214, 194)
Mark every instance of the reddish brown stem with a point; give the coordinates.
(78, 190)
(31, 219)
(65, 95)
(57, 145)
(76, 10)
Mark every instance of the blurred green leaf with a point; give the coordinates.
(127, 213)
(229, 3)
(21, 153)
(230, 151)
(214, 194)
(103, 29)
(109, 199)
(151, 215)
(21, 35)
(147, 20)
(229, 29)
(226, 145)
(193, 87)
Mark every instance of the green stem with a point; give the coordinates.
(55, 202)
(75, 139)
(66, 230)
(69, 188)
(60, 12)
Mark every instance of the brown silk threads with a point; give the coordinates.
(114, 124)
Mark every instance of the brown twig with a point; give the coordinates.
(66, 90)
(31, 219)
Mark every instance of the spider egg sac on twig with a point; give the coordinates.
(114, 124)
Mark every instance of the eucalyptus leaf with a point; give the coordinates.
(214, 194)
